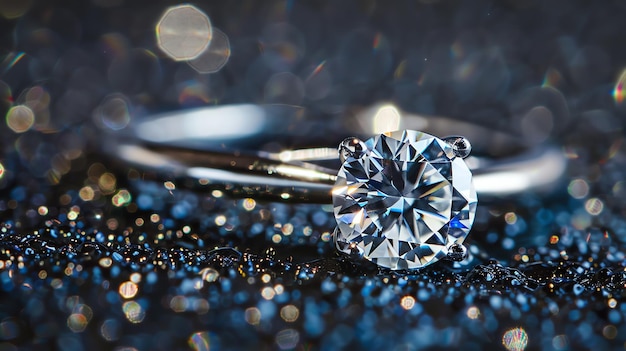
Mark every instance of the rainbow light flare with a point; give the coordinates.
(618, 91)
(11, 60)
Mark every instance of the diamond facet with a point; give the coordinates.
(404, 202)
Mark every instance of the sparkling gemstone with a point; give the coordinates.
(404, 201)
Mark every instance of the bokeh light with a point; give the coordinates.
(407, 302)
(386, 119)
(612, 303)
(268, 293)
(122, 198)
(209, 275)
(113, 113)
(76, 322)
(105, 262)
(473, 312)
(42, 210)
(515, 339)
(249, 204)
(289, 313)
(184, 32)
(594, 206)
(107, 182)
(200, 341)
(133, 312)
(110, 330)
(169, 186)
(215, 56)
(252, 316)
(80, 316)
(38, 100)
(20, 118)
(136, 277)
(128, 289)
(179, 303)
(11, 9)
(578, 188)
(287, 339)
(86, 193)
(609, 332)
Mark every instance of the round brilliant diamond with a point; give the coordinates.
(404, 202)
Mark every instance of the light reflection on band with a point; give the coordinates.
(222, 122)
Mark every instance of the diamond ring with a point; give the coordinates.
(405, 199)
(402, 199)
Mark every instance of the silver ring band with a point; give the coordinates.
(270, 151)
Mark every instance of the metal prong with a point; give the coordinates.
(351, 147)
(460, 145)
(457, 252)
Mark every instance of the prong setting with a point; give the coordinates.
(351, 147)
(379, 173)
(460, 145)
(457, 252)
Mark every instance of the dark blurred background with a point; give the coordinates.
(72, 72)
(476, 60)
(535, 68)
